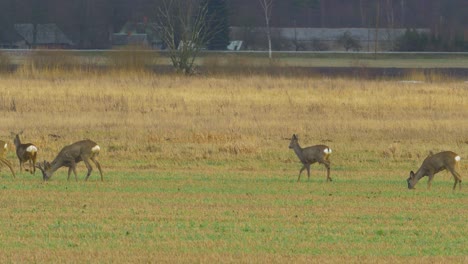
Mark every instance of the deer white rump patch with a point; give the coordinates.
(327, 151)
(6, 146)
(96, 149)
(457, 158)
(31, 148)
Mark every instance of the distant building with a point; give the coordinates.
(317, 39)
(48, 36)
(138, 34)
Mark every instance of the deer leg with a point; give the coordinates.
(34, 163)
(326, 163)
(25, 165)
(429, 182)
(72, 168)
(74, 172)
(308, 172)
(7, 163)
(21, 166)
(455, 184)
(69, 172)
(302, 169)
(31, 167)
(98, 166)
(457, 178)
(90, 169)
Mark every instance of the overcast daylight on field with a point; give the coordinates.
(233, 131)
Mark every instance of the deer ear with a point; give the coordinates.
(294, 136)
(411, 174)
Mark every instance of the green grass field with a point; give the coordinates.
(197, 169)
(210, 214)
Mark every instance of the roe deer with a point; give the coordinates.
(25, 152)
(310, 155)
(69, 156)
(434, 163)
(3, 160)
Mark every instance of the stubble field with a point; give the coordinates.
(197, 169)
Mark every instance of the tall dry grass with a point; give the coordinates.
(176, 119)
(198, 169)
(132, 58)
(5, 63)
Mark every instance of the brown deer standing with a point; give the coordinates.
(3, 152)
(434, 163)
(25, 152)
(69, 156)
(311, 155)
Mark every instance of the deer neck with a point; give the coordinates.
(17, 141)
(54, 165)
(298, 150)
(419, 174)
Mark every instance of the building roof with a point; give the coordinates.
(46, 34)
(151, 30)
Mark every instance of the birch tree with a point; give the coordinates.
(266, 8)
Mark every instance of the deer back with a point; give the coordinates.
(316, 153)
(440, 161)
(75, 152)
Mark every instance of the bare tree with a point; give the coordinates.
(403, 13)
(390, 22)
(377, 18)
(184, 32)
(266, 7)
(361, 13)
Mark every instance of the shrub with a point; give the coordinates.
(318, 45)
(412, 40)
(349, 42)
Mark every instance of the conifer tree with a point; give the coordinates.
(217, 22)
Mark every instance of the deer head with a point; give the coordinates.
(44, 167)
(16, 139)
(293, 142)
(411, 181)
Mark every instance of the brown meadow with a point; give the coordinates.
(197, 169)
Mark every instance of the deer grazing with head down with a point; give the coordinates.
(434, 163)
(25, 152)
(311, 155)
(3, 160)
(85, 150)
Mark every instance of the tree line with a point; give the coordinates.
(89, 23)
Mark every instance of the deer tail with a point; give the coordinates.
(457, 163)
